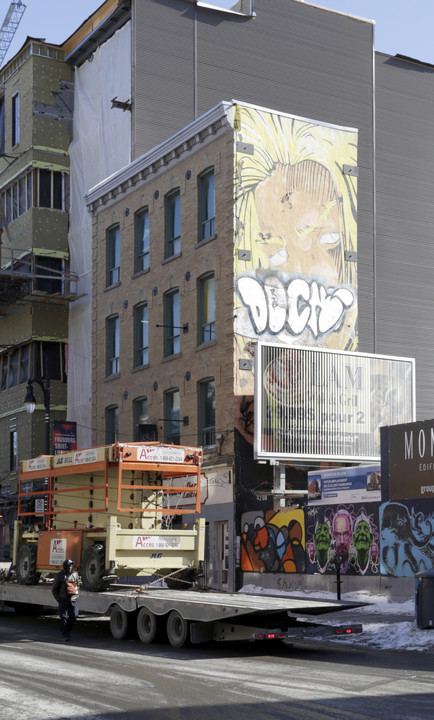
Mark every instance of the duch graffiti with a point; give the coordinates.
(295, 233)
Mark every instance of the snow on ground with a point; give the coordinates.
(382, 627)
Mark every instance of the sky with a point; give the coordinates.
(402, 27)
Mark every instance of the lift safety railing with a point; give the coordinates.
(169, 462)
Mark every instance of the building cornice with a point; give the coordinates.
(216, 121)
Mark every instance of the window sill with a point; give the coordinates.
(172, 257)
(206, 240)
(139, 367)
(110, 287)
(205, 345)
(111, 377)
(140, 273)
(171, 357)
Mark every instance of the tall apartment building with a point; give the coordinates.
(46, 107)
(35, 282)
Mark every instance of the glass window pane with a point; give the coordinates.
(206, 309)
(140, 412)
(112, 345)
(207, 412)
(172, 322)
(141, 335)
(45, 188)
(57, 190)
(142, 241)
(24, 364)
(172, 416)
(173, 224)
(113, 255)
(112, 424)
(22, 196)
(206, 205)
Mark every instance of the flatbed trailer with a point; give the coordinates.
(193, 616)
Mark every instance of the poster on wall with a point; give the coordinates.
(295, 234)
(64, 436)
(344, 485)
(312, 403)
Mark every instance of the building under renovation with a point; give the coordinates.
(237, 200)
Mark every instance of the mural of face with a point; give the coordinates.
(298, 213)
(322, 540)
(362, 542)
(342, 535)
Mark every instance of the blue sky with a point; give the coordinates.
(402, 26)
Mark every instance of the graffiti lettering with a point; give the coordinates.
(274, 305)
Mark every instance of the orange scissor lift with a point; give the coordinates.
(115, 510)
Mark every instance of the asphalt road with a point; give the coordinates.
(98, 678)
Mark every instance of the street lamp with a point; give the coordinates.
(30, 404)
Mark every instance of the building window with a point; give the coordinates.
(140, 415)
(172, 416)
(141, 241)
(206, 299)
(113, 255)
(112, 329)
(172, 321)
(15, 119)
(13, 450)
(141, 335)
(206, 204)
(18, 198)
(50, 189)
(206, 396)
(111, 424)
(173, 224)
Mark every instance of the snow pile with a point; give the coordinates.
(386, 624)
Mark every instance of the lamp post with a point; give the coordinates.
(30, 404)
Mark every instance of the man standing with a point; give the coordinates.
(65, 590)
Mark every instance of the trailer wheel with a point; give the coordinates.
(147, 625)
(92, 568)
(26, 565)
(122, 623)
(178, 630)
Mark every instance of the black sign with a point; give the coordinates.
(411, 460)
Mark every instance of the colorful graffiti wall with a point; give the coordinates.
(273, 541)
(347, 532)
(406, 537)
(295, 234)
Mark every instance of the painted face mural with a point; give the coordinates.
(345, 533)
(295, 232)
(407, 539)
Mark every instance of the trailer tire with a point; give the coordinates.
(178, 630)
(147, 625)
(122, 623)
(26, 565)
(92, 568)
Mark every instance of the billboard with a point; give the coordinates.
(344, 485)
(411, 461)
(326, 404)
(295, 259)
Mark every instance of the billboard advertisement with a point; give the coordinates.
(295, 234)
(411, 461)
(344, 485)
(326, 404)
